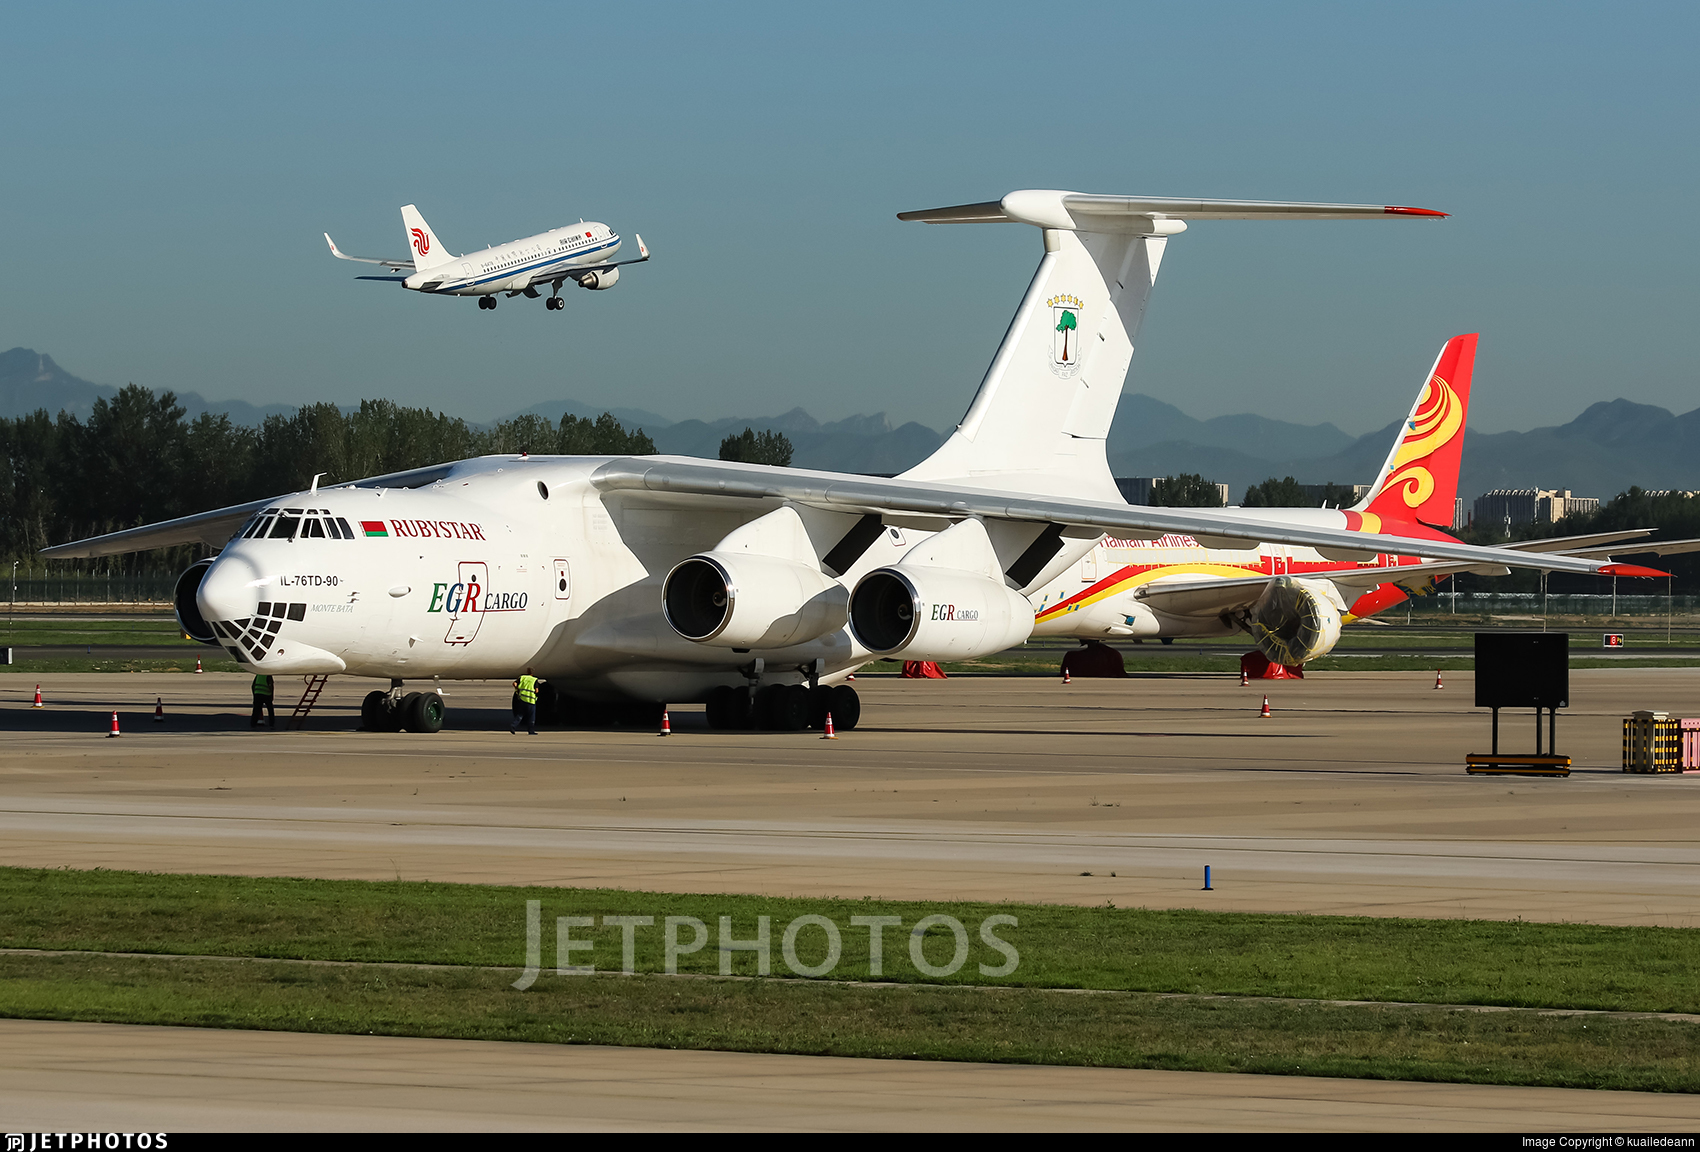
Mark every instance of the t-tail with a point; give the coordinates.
(1039, 421)
(427, 252)
(1419, 481)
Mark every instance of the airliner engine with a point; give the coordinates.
(189, 617)
(597, 281)
(937, 613)
(1295, 620)
(741, 600)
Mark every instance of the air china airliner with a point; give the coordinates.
(582, 252)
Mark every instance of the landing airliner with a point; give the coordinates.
(583, 253)
(629, 582)
(1292, 601)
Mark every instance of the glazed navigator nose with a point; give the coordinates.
(230, 590)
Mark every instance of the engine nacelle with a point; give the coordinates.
(742, 600)
(189, 616)
(1296, 620)
(937, 613)
(599, 280)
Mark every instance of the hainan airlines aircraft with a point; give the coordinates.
(582, 253)
(629, 582)
(1292, 601)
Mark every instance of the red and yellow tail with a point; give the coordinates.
(1419, 482)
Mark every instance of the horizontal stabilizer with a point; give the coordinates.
(1141, 215)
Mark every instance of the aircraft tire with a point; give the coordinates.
(764, 708)
(791, 707)
(714, 707)
(845, 705)
(820, 700)
(423, 712)
(375, 712)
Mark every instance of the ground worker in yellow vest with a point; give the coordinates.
(525, 688)
(262, 701)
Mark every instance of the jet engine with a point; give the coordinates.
(1295, 620)
(189, 617)
(742, 600)
(937, 613)
(597, 281)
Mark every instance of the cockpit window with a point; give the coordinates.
(347, 532)
(284, 529)
(258, 528)
(314, 528)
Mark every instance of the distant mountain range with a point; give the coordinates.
(1600, 453)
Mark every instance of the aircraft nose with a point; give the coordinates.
(230, 590)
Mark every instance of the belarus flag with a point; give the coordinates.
(374, 527)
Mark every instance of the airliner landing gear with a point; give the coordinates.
(553, 303)
(784, 707)
(392, 712)
(486, 301)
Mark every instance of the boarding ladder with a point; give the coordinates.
(309, 697)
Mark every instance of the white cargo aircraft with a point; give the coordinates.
(582, 252)
(628, 582)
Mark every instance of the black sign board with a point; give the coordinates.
(1522, 670)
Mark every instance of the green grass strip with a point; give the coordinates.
(1481, 962)
(1027, 1026)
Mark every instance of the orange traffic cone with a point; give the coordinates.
(197, 665)
(666, 728)
(1065, 675)
(1243, 681)
(1265, 711)
(37, 703)
(1437, 684)
(114, 731)
(159, 709)
(830, 734)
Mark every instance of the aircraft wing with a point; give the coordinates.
(398, 265)
(643, 255)
(215, 528)
(683, 477)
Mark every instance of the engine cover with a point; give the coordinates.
(189, 616)
(598, 281)
(742, 600)
(937, 613)
(1296, 620)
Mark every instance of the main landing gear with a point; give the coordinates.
(486, 301)
(784, 707)
(554, 303)
(392, 712)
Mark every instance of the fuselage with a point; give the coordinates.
(505, 564)
(1098, 596)
(542, 259)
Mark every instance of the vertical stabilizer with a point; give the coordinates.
(1040, 419)
(1419, 481)
(427, 252)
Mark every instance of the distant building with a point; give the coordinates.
(1460, 518)
(1506, 506)
(1512, 506)
(1139, 489)
(1555, 505)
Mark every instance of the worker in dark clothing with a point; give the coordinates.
(262, 701)
(525, 691)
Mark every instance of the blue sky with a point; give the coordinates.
(168, 170)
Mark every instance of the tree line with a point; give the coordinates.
(137, 460)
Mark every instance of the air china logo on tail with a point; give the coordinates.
(1438, 418)
(421, 240)
(1065, 334)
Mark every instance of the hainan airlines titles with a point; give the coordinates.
(582, 253)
